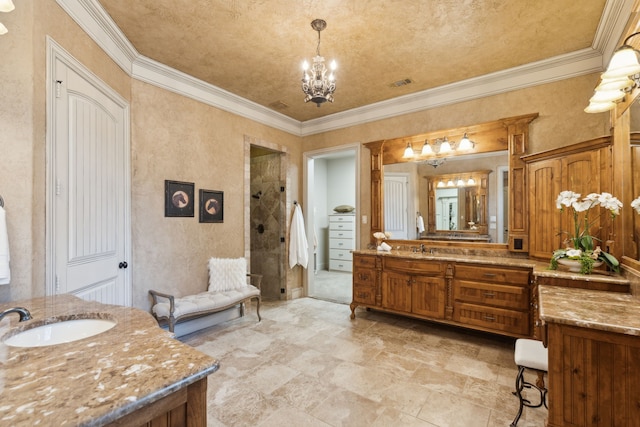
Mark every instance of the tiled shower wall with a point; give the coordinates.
(267, 224)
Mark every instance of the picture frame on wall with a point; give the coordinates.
(211, 206)
(178, 199)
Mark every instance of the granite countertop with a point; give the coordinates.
(539, 268)
(95, 380)
(605, 311)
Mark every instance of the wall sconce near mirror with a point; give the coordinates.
(621, 76)
(5, 6)
(439, 147)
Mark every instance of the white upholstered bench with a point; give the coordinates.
(229, 286)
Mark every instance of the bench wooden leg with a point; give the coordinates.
(258, 309)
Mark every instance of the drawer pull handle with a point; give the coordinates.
(489, 275)
(489, 294)
(489, 318)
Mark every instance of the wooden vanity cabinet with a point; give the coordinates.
(495, 298)
(364, 280)
(593, 377)
(413, 287)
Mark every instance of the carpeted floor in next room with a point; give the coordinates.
(308, 364)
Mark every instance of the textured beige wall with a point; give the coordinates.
(562, 121)
(180, 139)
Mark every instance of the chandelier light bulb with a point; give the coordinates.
(6, 6)
(333, 66)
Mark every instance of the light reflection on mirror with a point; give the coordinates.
(415, 201)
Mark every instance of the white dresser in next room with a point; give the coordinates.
(341, 241)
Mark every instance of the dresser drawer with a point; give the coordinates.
(491, 274)
(340, 265)
(364, 294)
(341, 226)
(340, 254)
(418, 266)
(349, 219)
(507, 296)
(498, 319)
(341, 234)
(341, 244)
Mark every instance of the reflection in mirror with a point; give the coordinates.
(634, 125)
(402, 211)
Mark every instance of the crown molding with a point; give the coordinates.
(92, 18)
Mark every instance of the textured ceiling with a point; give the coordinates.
(255, 49)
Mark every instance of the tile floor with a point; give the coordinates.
(308, 364)
(334, 286)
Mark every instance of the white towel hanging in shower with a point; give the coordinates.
(5, 271)
(298, 246)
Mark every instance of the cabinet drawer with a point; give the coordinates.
(499, 319)
(347, 244)
(507, 296)
(340, 265)
(491, 274)
(340, 254)
(342, 218)
(364, 261)
(364, 294)
(340, 234)
(362, 276)
(341, 226)
(413, 265)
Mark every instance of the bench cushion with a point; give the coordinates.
(206, 301)
(226, 274)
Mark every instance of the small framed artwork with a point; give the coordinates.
(211, 206)
(178, 198)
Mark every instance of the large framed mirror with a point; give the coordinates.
(505, 180)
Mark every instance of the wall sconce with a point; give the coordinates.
(439, 147)
(621, 76)
(5, 6)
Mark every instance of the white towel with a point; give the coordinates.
(5, 271)
(420, 224)
(384, 247)
(298, 246)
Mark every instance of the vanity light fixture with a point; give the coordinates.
(621, 76)
(440, 184)
(441, 147)
(5, 6)
(316, 84)
(460, 183)
(471, 181)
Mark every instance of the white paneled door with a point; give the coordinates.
(90, 185)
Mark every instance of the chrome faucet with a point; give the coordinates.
(23, 312)
(423, 248)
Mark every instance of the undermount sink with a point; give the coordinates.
(64, 331)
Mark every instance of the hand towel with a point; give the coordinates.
(384, 247)
(298, 246)
(5, 271)
(420, 224)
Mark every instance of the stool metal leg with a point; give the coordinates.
(521, 384)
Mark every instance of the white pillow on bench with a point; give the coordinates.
(226, 274)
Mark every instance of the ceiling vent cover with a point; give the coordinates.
(402, 82)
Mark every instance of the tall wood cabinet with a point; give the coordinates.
(583, 168)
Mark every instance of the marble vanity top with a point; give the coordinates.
(539, 268)
(95, 380)
(605, 311)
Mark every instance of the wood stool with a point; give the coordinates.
(530, 354)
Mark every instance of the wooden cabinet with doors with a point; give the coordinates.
(413, 286)
(492, 298)
(583, 168)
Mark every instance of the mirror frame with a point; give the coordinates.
(511, 134)
(482, 190)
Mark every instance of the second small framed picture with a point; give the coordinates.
(211, 206)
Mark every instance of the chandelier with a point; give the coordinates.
(434, 154)
(317, 86)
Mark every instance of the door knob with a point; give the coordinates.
(123, 264)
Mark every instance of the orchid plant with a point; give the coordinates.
(584, 249)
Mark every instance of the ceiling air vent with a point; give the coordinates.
(402, 82)
(278, 105)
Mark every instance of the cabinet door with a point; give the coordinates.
(396, 291)
(544, 218)
(427, 296)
